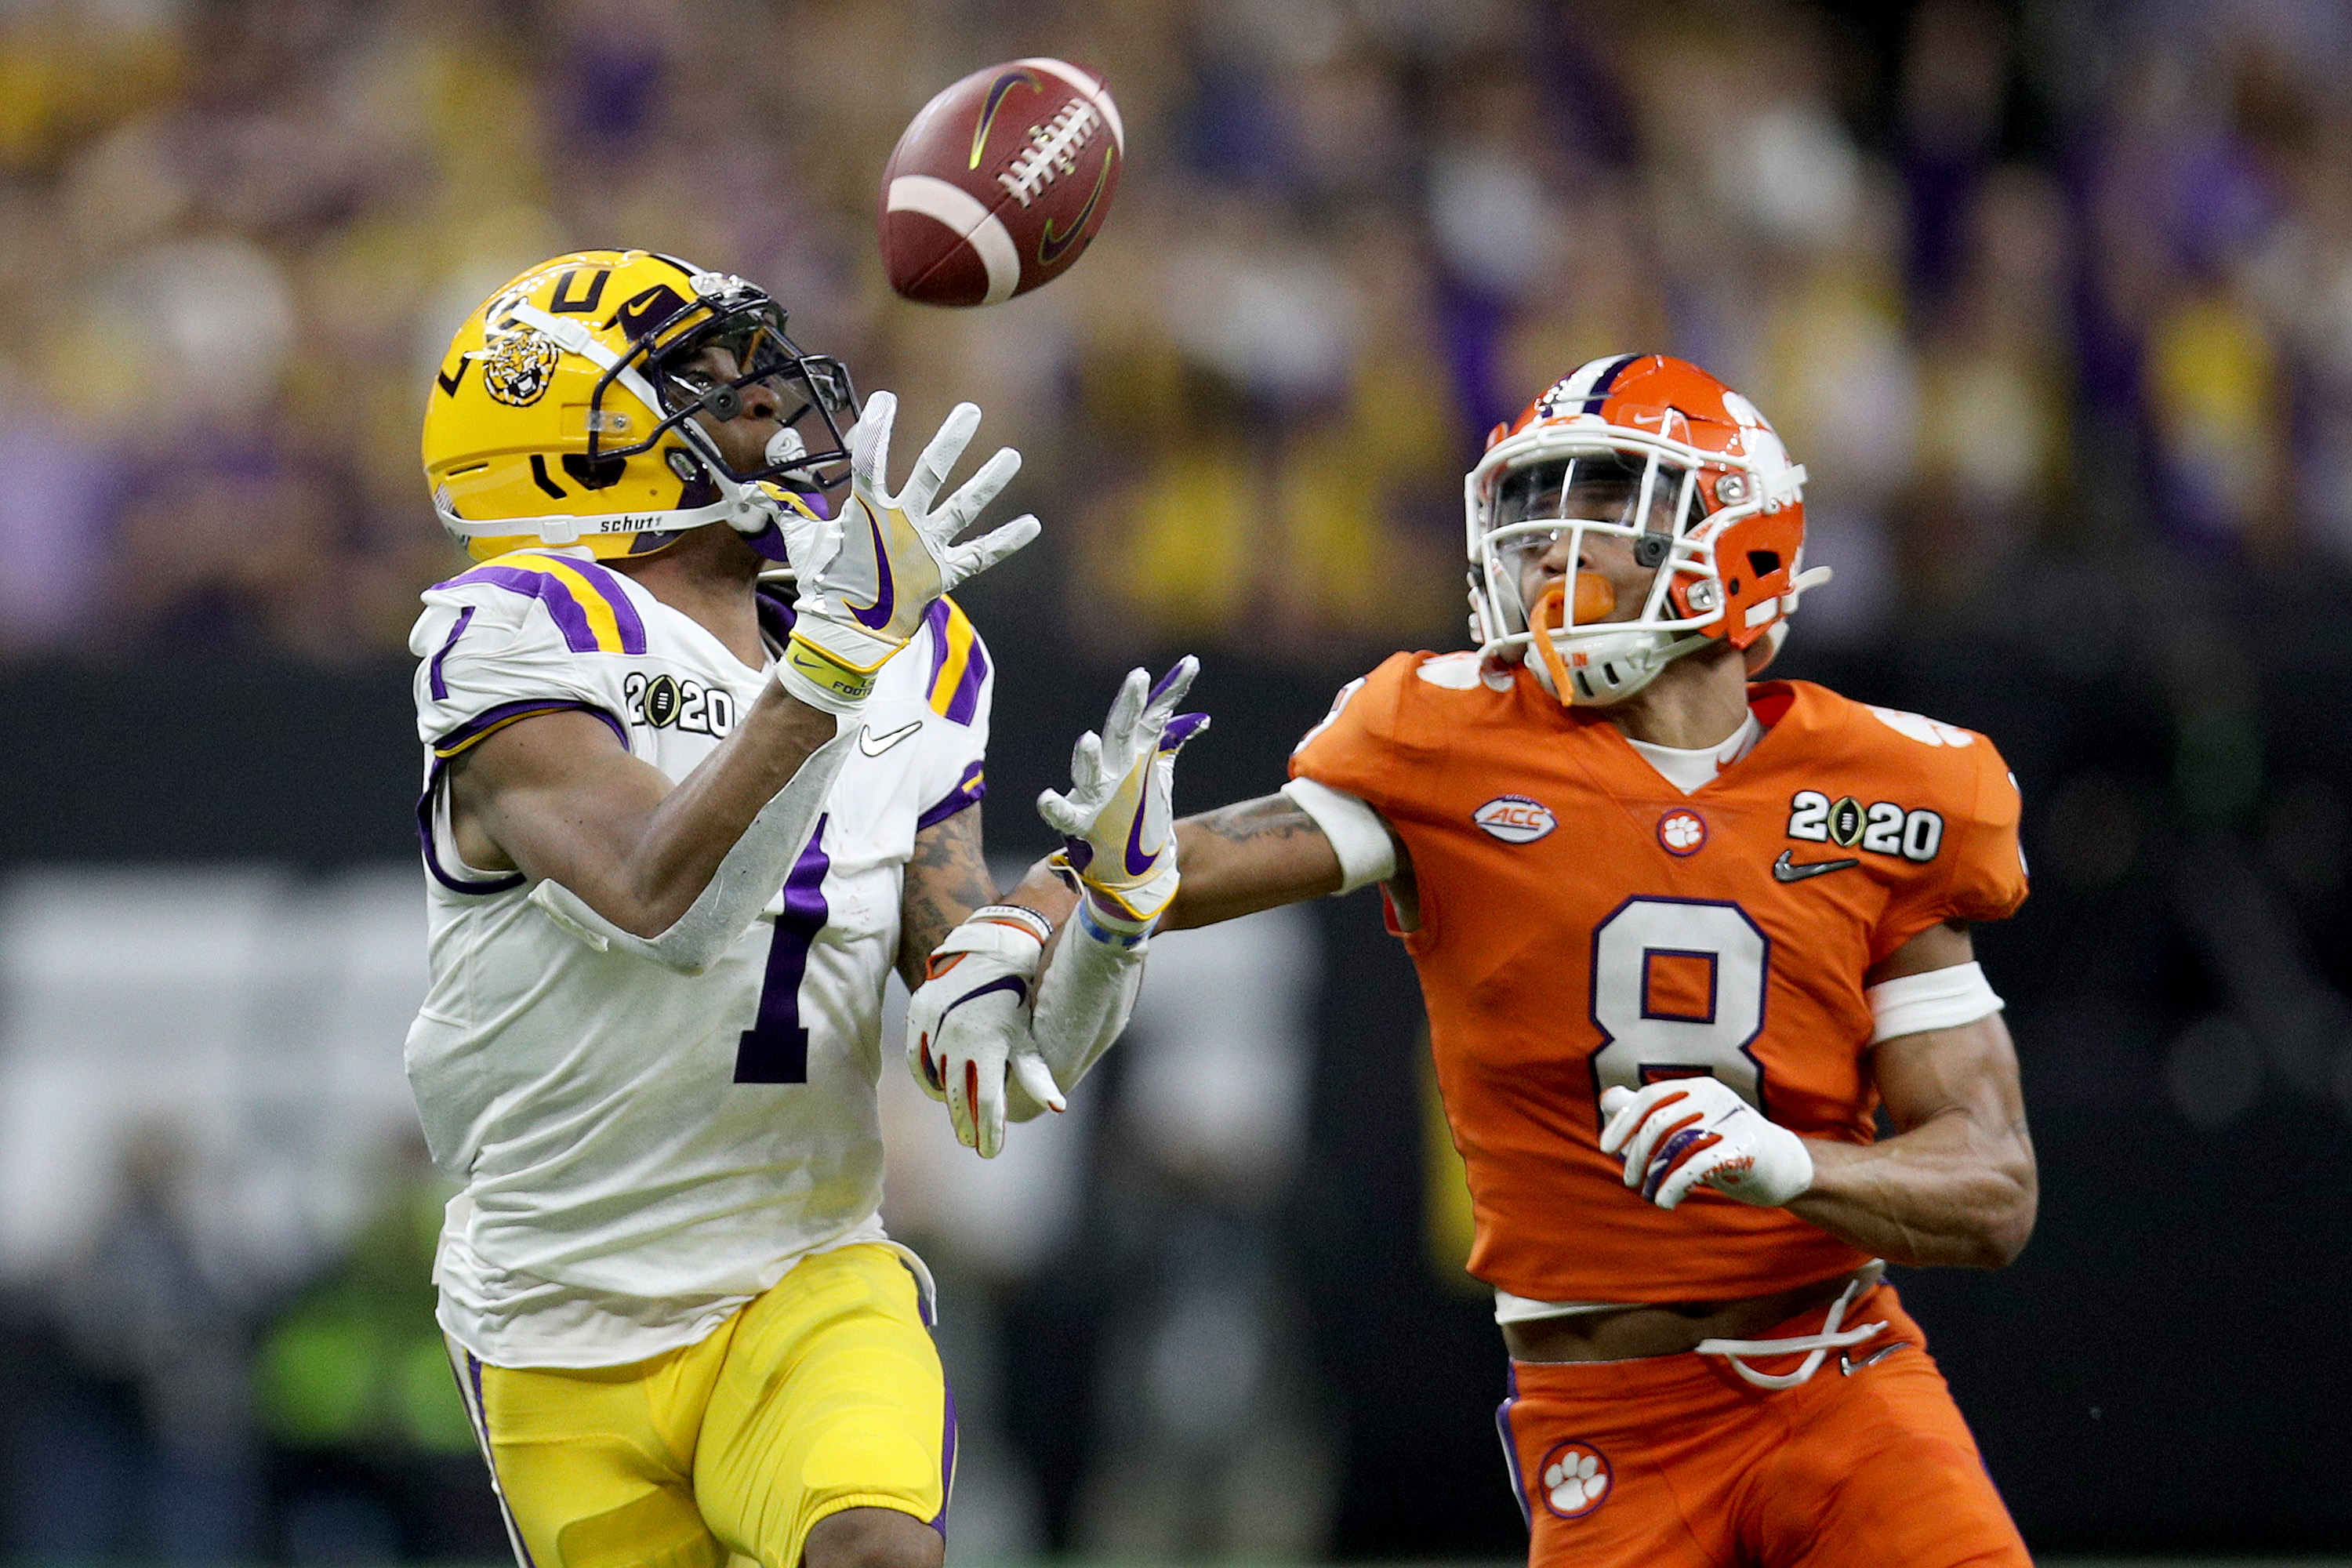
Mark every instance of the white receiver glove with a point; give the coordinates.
(968, 1023)
(868, 575)
(1680, 1131)
(1117, 821)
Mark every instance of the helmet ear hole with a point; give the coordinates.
(601, 474)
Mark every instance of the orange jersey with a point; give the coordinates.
(1585, 924)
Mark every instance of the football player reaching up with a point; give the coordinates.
(1680, 936)
(678, 831)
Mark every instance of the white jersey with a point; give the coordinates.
(644, 1152)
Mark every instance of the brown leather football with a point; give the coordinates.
(1000, 183)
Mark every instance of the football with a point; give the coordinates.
(1000, 183)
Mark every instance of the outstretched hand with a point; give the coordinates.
(868, 576)
(1118, 818)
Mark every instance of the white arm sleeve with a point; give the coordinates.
(1938, 999)
(1083, 1002)
(1367, 853)
(740, 889)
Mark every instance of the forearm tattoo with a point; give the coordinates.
(1270, 817)
(947, 878)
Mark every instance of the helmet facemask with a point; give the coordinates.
(1639, 455)
(1576, 499)
(815, 392)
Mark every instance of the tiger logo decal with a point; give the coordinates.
(519, 367)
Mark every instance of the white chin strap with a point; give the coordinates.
(1815, 1347)
(1614, 667)
(741, 507)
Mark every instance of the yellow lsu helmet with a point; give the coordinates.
(563, 412)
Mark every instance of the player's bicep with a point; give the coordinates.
(1965, 1070)
(1943, 946)
(555, 797)
(947, 878)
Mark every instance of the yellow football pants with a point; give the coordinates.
(822, 1395)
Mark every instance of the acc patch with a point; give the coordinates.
(1682, 831)
(1573, 1479)
(519, 366)
(1515, 820)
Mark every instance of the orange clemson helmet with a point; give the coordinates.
(1656, 452)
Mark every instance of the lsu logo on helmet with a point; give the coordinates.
(519, 367)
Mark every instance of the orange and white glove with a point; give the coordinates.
(1681, 1132)
(968, 1023)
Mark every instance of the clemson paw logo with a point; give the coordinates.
(1574, 1479)
(519, 367)
(1682, 831)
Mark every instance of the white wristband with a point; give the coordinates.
(1938, 999)
(1367, 853)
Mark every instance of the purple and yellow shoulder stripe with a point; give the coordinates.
(491, 720)
(959, 662)
(587, 602)
(970, 790)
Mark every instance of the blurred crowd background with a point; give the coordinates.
(2053, 297)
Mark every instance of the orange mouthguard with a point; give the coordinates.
(1594, 600)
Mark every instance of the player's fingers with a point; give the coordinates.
(926, 1070)
(955, 514)
(968, 561)
(1055, 813)
(1036, 1081)
(963, 1098)
(1669, 1117)
(1683, 1156)
(1126, 709)
(1170, 688)
(939, 457)
(1624, 1109)
(869, 443)
(1087, 772)
(988, 1116)
(1689, 1172)
(1179, 729)
(958, 1116)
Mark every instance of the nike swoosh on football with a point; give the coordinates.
(874, 745)
(1050, 246)
(1783, 871)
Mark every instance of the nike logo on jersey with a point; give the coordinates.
(1784, 870)
(874, 745)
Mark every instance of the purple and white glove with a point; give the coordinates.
(1117, 821)
(867, 576)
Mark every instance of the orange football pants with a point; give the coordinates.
(1676, 1462)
